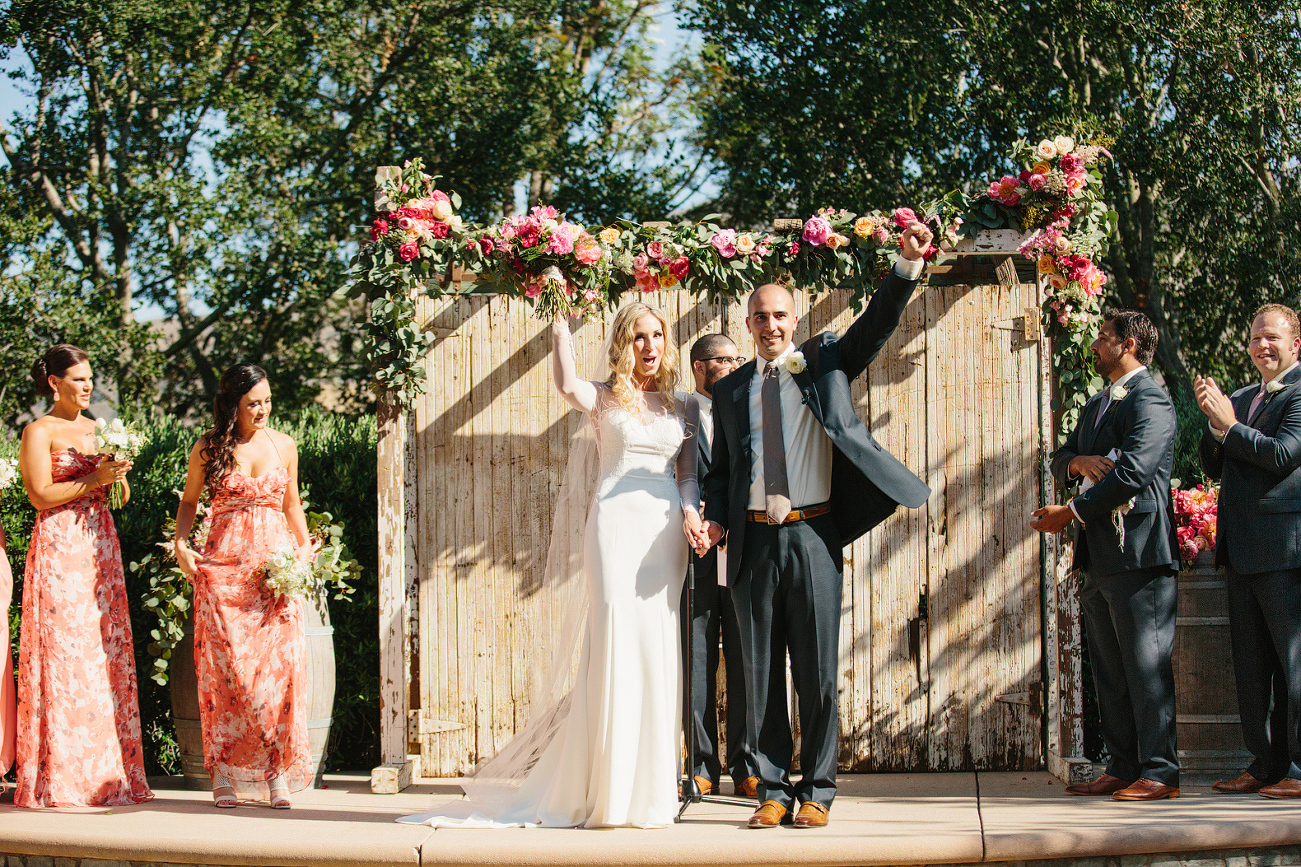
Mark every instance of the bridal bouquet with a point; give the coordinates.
(120, 443)
(286, 575)
(8, 472)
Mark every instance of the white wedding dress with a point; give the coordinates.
(608, 753)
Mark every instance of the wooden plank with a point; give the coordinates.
(393, 645)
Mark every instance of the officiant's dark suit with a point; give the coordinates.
(786, 577)
(1128, 586)
(1258, 542)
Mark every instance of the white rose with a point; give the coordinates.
(1046, 150)
(1118, 392)
(745, 244)
(442, 210)
(1064, 144)
(795, 362)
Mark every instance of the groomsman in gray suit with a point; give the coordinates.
(1253, 446)
(713, 356)
(795, 476)
(1121, 451)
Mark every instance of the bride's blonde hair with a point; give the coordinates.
(623, 361)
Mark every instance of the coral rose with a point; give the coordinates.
(587, 250)
(409, 251)
(646, 281)
(836, 241)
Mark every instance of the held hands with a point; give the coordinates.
(697, 538)
(1091, 467)
(1052, 519)
(1212, 402)
(916, 240)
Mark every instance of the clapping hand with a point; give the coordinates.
(1212, 402)
(916, 240)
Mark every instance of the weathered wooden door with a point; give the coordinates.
(941, 638)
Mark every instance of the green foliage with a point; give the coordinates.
(337, 453)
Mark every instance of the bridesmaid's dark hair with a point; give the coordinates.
(55, 362)
(218, 453)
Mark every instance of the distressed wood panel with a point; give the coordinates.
(938, 620)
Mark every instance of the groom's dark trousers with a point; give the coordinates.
(786, 579)
(1258, 542)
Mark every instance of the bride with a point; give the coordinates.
(605, 753)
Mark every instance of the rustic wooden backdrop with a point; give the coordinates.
(942, 640)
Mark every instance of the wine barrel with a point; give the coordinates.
(1206, 697)
(319, 665)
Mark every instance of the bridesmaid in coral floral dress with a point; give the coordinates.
(8, 698)
(78, 713)
(248, 643)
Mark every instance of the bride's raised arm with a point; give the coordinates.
(579, 393)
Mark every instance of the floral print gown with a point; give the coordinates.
(78, 712)
(249, 645)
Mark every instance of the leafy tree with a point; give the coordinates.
(214, 160)
(846, 104)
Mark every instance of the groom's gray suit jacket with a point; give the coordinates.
(867, 482)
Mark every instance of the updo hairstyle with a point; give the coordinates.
(55, 362)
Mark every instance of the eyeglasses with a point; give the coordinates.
(727, 359)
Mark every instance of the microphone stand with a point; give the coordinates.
(691, 793)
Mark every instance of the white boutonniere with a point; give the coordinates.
(1118, 392)
(795, 362)
(1275, 385)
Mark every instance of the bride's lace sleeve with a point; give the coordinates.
(578, 393)
(689, 456)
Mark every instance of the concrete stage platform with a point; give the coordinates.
(895, 819)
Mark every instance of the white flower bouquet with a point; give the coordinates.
(120, 443)
(286, 575)
(8, 472)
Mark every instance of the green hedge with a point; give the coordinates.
(337, 470)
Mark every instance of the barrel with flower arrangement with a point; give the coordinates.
(1206, 703)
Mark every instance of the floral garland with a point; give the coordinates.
(563, 268)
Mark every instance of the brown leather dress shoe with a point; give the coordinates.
(704, 784)
(748, 788)
(1144, 789)
(1288, 788)
(769, 815)
(811, 815)
(1244, 784)
(1103, 785)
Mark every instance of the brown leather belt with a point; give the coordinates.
(761, 517)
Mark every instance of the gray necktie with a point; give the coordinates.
(776, 487)
(1255, 404)
(1102, 408)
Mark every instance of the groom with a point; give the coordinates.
(795, 476)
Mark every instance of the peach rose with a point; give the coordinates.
(745, 244)
(864, 226)
(609, 235)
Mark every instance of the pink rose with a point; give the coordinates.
(1072, 163)
(438, 229)
(1074, 183)
(680, 266)
(562, 239)
(725, 243)
(533, 290)
(656, 250)
(409, 251)
(486, 246)
(816, 231)
(439, 196)
(881, 236)
(587, 250)
(378, 228)
(1037, 182)
(405, 223)
(1025, 176)
(903, 217)
(793, 250)
(640, 263)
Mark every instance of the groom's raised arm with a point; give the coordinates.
(867, 335)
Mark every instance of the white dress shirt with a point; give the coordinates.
(706, 418)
